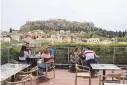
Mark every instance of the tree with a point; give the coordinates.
(10, 30)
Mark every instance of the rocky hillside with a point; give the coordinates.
(58, 24)
(62, 24)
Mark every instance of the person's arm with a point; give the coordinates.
(50, 60)
(84, 55)
(26, 54)
(95, 55)
(52, 53)
(30, 51)
(42, 58)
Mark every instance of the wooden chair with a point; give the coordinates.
(82, 71)
(33, 77)
(21, 82)
(51, 68)
(46, 69)
(124, 73)
(115, 78)
(124, 77)
(95, 72)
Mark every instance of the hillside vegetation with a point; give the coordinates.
(73, 26)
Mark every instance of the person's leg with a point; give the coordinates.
(40, 69)
(85, 63)
(49, 67)
(91, 61)
(96, 61)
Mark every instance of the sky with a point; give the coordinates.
(107, 14)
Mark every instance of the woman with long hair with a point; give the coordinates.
(23, 54)
(46, 59)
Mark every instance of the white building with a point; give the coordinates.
(93, 40)
(68, 32)
(15, 37)
(5, 39)
(106, 42)
(62, 32)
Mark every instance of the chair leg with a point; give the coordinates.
(31, 82)
(76, 80)
(89, 80)
(24, 83)
(46, 72)
(54, 72)
(123, 81)
(37, 81)
(99, 80)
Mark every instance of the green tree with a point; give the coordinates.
(10, 30)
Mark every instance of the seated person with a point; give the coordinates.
(28, 47)
(74, 58)
(29, 51)
(90, 57)
(23, 54)
(46, 59)
(52, 51)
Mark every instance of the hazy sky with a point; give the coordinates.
(107, 14)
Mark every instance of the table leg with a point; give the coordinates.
(103, 74)
(13, 78)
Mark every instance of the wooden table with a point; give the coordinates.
(113, 84)
(104, 67)
(8, 70)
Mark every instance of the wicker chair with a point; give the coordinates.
(14, 62)
(117, 77)
(21, 82)
(33, 77)
(81, 72)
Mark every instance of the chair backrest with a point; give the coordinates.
(14, 62)
(82, 68)
(118, 76)
(26, 78)
(34, 69)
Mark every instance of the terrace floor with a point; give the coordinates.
(63, 77)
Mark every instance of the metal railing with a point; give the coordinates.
(116, 55)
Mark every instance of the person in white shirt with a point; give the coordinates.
(90, 57)
(89, 54)
(23, 54)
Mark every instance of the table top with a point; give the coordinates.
(34, 56)
(113, 84)
(8, 70)
(104, 67)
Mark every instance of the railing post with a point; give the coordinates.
(68, 55)
(114, 55)
(8, 54)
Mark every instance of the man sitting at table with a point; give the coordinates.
(90, 57)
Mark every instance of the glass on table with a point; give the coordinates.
(101, 65)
